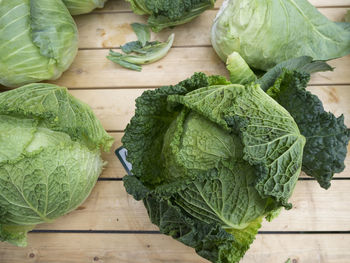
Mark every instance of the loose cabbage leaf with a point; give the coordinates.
(39, 40)
(249, 28)
(169, 13)
(326, 136)
(78, 7)
(145, 52)
(142, 32)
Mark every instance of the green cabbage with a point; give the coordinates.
(266, 33)
(78, 7)
(210, 159)
(38, 41)
(169, 13)
(50, 157)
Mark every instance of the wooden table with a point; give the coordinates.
(112, 227)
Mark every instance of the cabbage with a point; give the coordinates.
(169, 13)
(210, 159)
(266, 33)
(78, 7)
(50, 157)
(38, 41)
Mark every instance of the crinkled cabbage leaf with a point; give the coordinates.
(38, 41)
(266, 33)
(169, 13)
(327, 137)
(50, 157)
(78, 7)
(210, 160)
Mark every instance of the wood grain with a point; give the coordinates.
(148, 248)
(109, 207)
(91, 69)
(115, 107)
(110, 30)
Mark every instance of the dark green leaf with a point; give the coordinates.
(301, 64)
(326, 136)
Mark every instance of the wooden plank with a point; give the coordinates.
(115, 107)
(122, 6)
(91, 69)
(110, 30)
(109, 207)
(148, 248)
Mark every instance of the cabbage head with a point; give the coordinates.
(50, 157)
(38, 41)
(266, 33)
(78, 7)
(169, 13)
(210, 159)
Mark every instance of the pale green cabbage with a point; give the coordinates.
(78, 7)
(38, 41)
(50, 157)
(267, 32)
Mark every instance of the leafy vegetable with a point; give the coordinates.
(210, 160)
(326, 136)
(169, 13)
(39, 41)
(145, 52)
(50, 157)
(78, 7)
(250, 28)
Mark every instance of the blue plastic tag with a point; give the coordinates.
(122, 153)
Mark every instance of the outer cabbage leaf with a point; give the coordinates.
(326, 136)
(39, 40)
(50, 157)
(249, 28)
(169, 13)
(199, 166)
(270, 136)
(78, 7)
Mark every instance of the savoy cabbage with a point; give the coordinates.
(169, 13)
(210, 160)
(50, 157)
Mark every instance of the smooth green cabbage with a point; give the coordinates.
(78, 7)
(169, 13)
(38, 41)
(210, 159)
(50, 157)
(266, 33)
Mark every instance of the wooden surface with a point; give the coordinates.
(111, 227)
